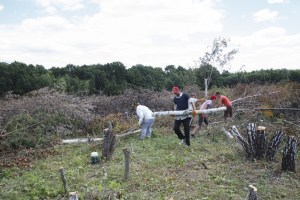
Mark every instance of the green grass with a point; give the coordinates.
(159, 169)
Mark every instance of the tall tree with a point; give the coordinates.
(217, 57)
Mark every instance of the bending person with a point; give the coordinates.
(146, 120)
(223, 100)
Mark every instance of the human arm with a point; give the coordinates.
(140, 115)
(219, 103)
(201, 100)
(194, 112)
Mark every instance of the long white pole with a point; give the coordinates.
(187, 112)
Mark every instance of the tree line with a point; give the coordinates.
(114, 78)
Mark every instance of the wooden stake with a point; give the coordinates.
(62, 175)
(108, 147)
(252, 195)
(126, 154)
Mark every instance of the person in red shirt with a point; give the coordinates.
(223, 100)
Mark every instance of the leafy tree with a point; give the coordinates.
(205, 71)
(140, 76)
(217, 58)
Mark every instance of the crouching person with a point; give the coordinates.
(146, 120)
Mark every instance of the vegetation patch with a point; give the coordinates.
(212, 168)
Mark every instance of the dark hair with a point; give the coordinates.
(218, 93)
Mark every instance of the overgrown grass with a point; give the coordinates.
(160, 168)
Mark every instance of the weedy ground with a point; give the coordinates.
(213, 167)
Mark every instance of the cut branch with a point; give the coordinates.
(292, 109)
(247, 97)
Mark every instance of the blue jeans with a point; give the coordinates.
(146, 128)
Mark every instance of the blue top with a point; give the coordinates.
(182, 102)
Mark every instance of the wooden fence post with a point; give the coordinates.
(63, 178)
(126, 154)
(109, 141)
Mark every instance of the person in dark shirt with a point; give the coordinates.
(181, 102)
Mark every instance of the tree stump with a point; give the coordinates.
(126, 154)
(273, 145)
(251, 133)
(252, 195)
(289, 152)
(73, 196)
(260, 143)
(109, 142)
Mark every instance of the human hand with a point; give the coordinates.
(186, 112)
(194, 113)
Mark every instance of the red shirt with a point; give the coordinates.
(224, 100)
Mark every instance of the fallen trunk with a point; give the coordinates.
(187, 112)
(82, 140)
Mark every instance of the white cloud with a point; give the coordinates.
(265, 15)
(51, 6)
(268, 48)
(153, 32)
(1, 7)
(277, 1)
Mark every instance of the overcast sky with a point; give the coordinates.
(156, 33)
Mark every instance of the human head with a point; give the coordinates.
(134, 105)
(218, 94)
(213, 97)
(193, 95)
(176, 90)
